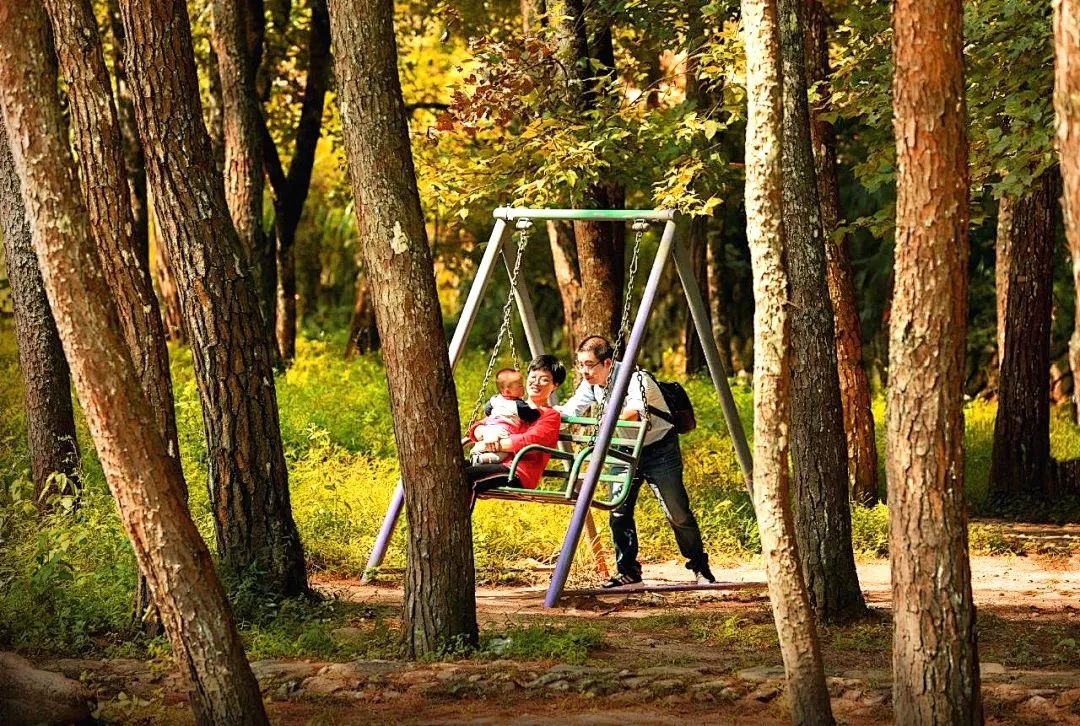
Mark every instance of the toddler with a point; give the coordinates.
(504, 415)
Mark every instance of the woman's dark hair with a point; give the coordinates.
(550, 364)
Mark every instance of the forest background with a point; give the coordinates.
(490, 128)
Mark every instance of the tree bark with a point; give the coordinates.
(440, 606)
(172, 314)
(363, 333)
(98, 141)
(601, 278)
(935, 659)
(854, 382)
(248, 480)
(291, 189)
(1020, 462)
(807, 695)
(715, 256)
(563, 256)
(146, 481)
(1067, 109)
(50, 419)
(818, 444)
(237, 65)
(1004, 254)
(697, 241)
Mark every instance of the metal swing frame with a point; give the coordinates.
(502, 243)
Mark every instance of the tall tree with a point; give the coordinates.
(291, 189)
(440, 605)
(935, 659)
(144, 478)
(1020, 463)
(818, 444)
(50, 419)
(1003, 257)
(854, 383)
(794, 618)
(598, 255)
(1067, 110)
(237, 49)
(248, 480)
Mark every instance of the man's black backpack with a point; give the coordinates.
(682, 417)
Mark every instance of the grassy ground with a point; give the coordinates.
(66, 580)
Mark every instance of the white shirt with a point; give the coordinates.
(586, 395)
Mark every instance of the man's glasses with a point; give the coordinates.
(589, 364)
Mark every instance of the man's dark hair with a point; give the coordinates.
(598, 346)
(550, 364)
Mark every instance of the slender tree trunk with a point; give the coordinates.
(563, 251)
(807, 694)
(1003, 258)
(50, 419)
(237, 65)
(1067, 108)
(854, 382)
(715, 265)
(1020, 462)
(935, 658)
(601, 289)
(291, 189)
(233, 365)
(145, 479)
(171, 313)
(818, 444)
(698, 243)
(440, 606)
(134, 159)
(363, 333)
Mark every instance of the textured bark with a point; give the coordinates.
(104, 182)
(715, 257)
(807, 694)
(818, 443)
(597, 253)
(134, 159)
(1003, 258)
(854, 382)
(935, 659)
(145, 480)
(363, 333)
(1020, 462)
(563, 256)
(172, 314)
(237, 63)
(1067, 108)
(697, 241)
(440, 605)
(248, 481)
(291, 189)
(50, 420)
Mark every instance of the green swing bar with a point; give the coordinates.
(621, 462)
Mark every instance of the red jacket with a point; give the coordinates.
(545, 432)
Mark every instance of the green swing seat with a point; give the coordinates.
(560, 486)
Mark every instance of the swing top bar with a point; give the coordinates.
(610, 215)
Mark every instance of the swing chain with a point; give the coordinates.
(639, 227)
(506, 329)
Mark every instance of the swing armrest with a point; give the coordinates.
(555, 453)
(612, 453)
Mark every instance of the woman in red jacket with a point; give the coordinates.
(546, 374)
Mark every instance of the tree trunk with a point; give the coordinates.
(134, 159)
(818, 445)
(171, 313)
(697, 241)
(248, 480)
(601, 288)
(291, 190)
(715, 257)
(50, 420)
(241, 120)
(1003, 258)
(1067, 108)
(440, 606)
(935, 659)
(854, 382)
(1020, 462)
(363, 333)
(145, 480)
(563, 255)
(96, 132)
(807, 694)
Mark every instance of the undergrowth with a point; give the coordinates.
(67, 579)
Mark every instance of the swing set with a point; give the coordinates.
(608, 449)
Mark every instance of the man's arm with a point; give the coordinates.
(633, 407)
(578, 403)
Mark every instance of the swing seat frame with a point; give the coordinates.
(621, 464)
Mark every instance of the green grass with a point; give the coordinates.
(66, 580)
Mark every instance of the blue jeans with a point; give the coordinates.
(661, 466)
